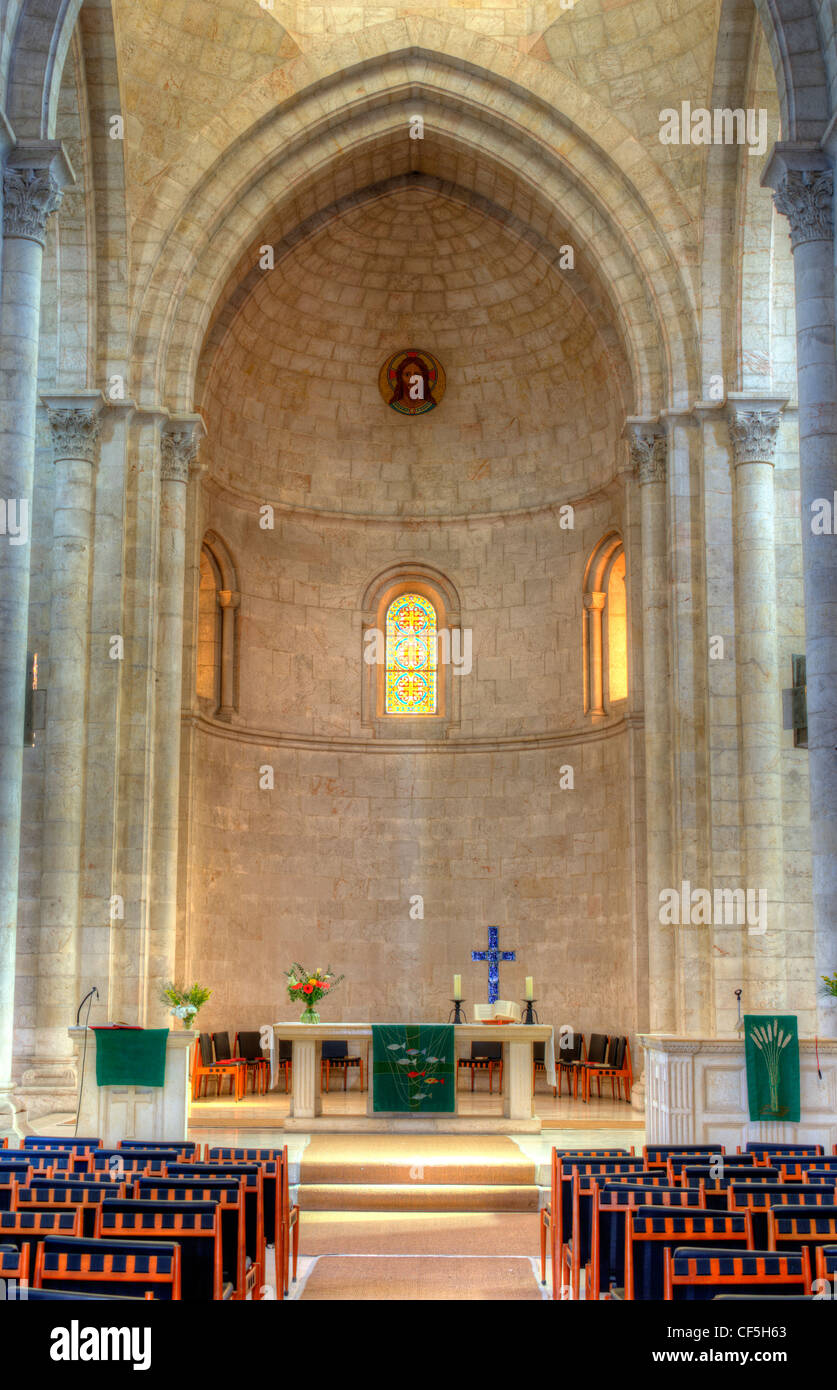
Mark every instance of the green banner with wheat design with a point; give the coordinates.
(771, 1048)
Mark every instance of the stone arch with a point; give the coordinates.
(796, 50)
(218, 655)
(42, 40)
(435, 586)
(605, 627)
(207, 251)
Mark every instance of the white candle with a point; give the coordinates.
(530, 993)
(457, 986)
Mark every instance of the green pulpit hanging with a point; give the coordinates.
(131, 1056)
(771, 1050)
(413, 1068)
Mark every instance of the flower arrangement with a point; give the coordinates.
(185, 1002)
(830, 983)
(310, 987)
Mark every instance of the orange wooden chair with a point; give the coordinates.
(206, 1068)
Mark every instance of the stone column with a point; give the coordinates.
(754, 427)
(179, 449)
(594, 605)
(229, 600)
(804, 191)
(33, 182)
(647, 445)
(49, 1084)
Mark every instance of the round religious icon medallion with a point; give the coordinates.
(412, 382)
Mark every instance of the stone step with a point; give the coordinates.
(416, 1196)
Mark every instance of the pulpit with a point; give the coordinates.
(112, 1113)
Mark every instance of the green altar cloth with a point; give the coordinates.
(413, 1067)
(131, 1057)
(771, 1050)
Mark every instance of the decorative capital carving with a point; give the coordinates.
(229, 598)
(805, 197)
(754, 434)
(648, 451)
(595, 601)
(30, 197)
(179, 448)
(75, 432)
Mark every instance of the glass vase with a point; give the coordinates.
(310, 1015)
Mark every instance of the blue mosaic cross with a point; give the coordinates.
(493, 956)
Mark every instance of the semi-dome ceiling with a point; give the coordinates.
(292, 405)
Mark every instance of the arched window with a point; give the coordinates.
(217, 653)
(411, 656)
(413, 650)
(605, 628)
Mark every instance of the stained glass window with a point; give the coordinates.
(411, 655)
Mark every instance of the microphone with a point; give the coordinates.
(88, 995)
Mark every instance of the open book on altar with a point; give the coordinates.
(501, 1011)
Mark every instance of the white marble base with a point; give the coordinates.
(696, 1093)
(112, 1113)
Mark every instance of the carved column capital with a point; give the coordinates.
(75, 422)
(34, 179)
(754, 429)
(179, 446)
(648, 450)
(805, 197)
(229, 598)
(595, 601)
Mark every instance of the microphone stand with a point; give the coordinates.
(88, 999)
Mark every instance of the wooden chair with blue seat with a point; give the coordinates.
(826, 1265)
(677, 1164)
(283, 1060)
(691, 1274)
(250, 1178)
(793, 1168)
(14, 1264)
(187, 1150)
(42, 1161)
(335, 1055)
(48, 1295)
(758, 1198)
(13, 1175)
(30, 1227)
(485, 1056)
(616, 1067)
(229, 1195)
(568, 1063)
(281, 1220)
(650, 1232)
(129, 1163)
(206, 1068)
(557, 1217)
(77, 1145)
(765, 1150)
(796, 1227)
(539, 1064)
(605, 1269)
(715, 1186)
(657, 1155)
(114, 1267)
(248, 1046)
(52, 1194)
(194, 1226)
